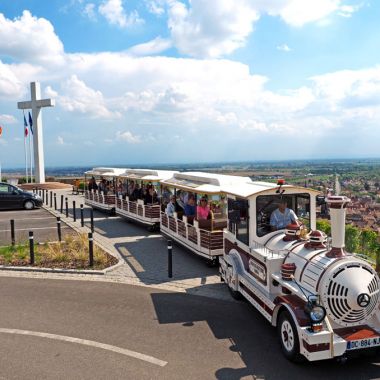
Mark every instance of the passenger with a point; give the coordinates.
(131, 188)
(282, 216)
(190, 208)
(92, 184)
(136, 193)
(171, 207)
(151, 197)
(203, 210)
(102, 187)
(180, 199)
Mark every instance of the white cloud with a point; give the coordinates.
(60, 140)
(83, 99)
(212, 28)
(115, 14)
(284, 47)
(50, 93)
(28, 38)
(156, 6)
(218, 27)
(10, 84)
(89, 11)
(128, 137)
(155, 46)
(7, 119)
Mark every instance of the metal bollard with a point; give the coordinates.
(55, 201)
(81, 216)
(31, 247)
(61, 204)
(92, 219)
(59, 229)
(13, 236)
(51, 199)
(90, 249)
(74, 212)
(67, 207)
(170, 259)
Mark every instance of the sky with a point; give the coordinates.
(175, 81)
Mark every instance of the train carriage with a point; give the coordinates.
(203, 237)
(323, 300)
(146, 213)
(101, 199)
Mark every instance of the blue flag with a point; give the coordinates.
(25, 123)
(30, 123)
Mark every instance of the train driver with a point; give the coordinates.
(283, 216)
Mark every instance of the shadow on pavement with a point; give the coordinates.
(253, 339)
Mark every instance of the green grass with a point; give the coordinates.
(73, 253)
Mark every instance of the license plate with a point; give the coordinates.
(363, 343)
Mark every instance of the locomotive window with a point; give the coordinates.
(238, 219)
(266, 204)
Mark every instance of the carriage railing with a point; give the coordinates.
(209, 240)
(97, 197)
(138, 208)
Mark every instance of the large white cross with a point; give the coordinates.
(35, 105)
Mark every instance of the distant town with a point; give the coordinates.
(358, 179)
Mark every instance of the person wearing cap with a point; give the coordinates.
(282, 216)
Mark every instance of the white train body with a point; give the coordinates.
(342, 285)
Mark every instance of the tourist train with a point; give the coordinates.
(324, 302)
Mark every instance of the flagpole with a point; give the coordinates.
(30, 157)
(26, 159)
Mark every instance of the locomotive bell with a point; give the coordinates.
(350, 293)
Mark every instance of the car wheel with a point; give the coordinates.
(28, 205)
(288, 336)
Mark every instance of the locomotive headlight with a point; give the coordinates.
(317, 314)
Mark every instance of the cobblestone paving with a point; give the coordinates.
(143, 256)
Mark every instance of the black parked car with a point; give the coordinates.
(12, 197)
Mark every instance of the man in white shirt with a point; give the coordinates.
(282, 216)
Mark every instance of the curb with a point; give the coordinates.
(51, 270)
(62, 270)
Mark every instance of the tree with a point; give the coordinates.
(369, 242)
(352, 238)
(324, 226)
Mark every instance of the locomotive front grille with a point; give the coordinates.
(351, 294)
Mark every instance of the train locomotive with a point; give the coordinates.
(324, 301)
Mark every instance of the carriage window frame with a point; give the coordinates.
(240, 221)
(294, 203)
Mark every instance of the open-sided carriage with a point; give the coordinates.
(203, 237)
(102, 197)
(144, 209)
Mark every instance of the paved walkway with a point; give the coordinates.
(143, 256)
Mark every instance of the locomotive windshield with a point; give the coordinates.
(238, 219)
(266, 206)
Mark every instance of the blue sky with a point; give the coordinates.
(171, 81)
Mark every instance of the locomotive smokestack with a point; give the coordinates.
(337, 205)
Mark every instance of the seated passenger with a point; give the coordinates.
(203, 210)
(92, 184)
(171, 207)
(282, 216)
(150, 197)
(190, 208)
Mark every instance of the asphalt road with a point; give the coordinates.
(150, 334)
(41, 222)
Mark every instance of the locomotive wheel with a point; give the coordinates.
(288, 335)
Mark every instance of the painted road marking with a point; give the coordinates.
(91, 343)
